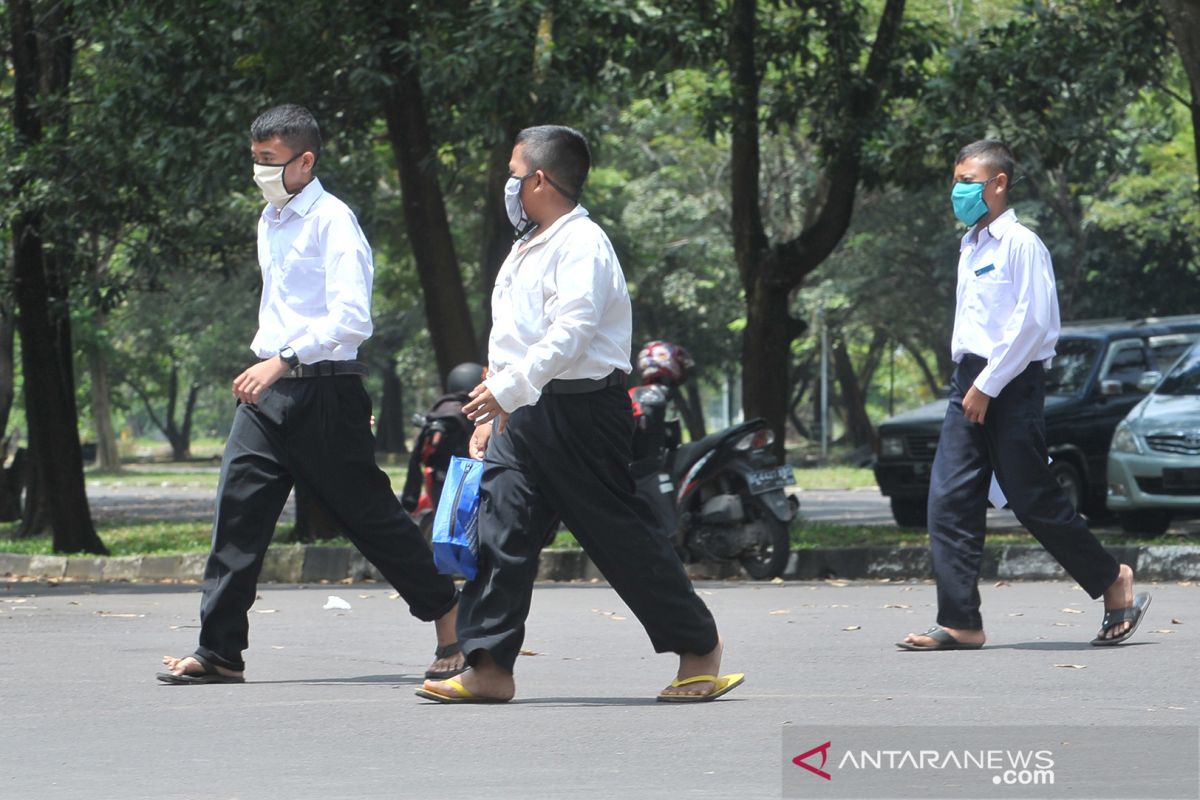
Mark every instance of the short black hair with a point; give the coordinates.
(992, 152)
(294, 125)
(560, 152)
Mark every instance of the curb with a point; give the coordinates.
(320, 563)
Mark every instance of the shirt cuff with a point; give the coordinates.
(989, 382)
(511, 389)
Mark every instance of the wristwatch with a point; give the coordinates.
(289, 357)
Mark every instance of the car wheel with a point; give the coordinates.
(1146, 523)
(1068, 478)
(910, 512)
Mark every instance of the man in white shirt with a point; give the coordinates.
(303, 415)
(1006, 325)
(556, 426)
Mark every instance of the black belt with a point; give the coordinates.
(322, 369)
(583, 385)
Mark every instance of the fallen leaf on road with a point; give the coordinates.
(364, 597)
(336, 602)
(277, 647)
(837, 582)
(118, 616)
(1000, 584)
(72, 602)
(839, 605)
(897, 605)
(853, 628)
(265, 610)
(609, 614)
(394, 596)
(1071, 611)
(15, 600)
(1016, 614)
(1176, 621)
(780, 611)
(1072, 666)
(528, 653)
(1163, 630)
(1062, 625)
(777, 581)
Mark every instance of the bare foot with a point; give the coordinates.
(487, 680)
(190, 666)
(1118, 595)
(961, 635)
(691, 664)
(447, 635)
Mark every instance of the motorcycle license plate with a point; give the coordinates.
(768, 480)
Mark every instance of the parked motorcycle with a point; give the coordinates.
(720, 498)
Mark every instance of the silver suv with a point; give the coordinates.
(1154, 460)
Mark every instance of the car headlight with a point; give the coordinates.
(891, 446)
(1125, 440)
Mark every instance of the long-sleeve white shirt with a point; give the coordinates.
(560, 309)
(1007, 309)
(317, 272)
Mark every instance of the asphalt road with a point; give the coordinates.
(329, 710)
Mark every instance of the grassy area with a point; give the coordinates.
(835, 478)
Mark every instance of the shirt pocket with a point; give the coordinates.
(529, 312)
(302, 282)
(991, 291)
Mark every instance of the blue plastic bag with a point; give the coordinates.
(456, 522)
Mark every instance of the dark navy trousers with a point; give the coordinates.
(1012, 444)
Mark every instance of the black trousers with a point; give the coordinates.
(1011, 443)
(568, 455)
(316, 432)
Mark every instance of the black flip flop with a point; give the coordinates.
(1132, 614)
(209, 675)
(443, 652)
(943, 639)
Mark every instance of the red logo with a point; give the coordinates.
(823, 749)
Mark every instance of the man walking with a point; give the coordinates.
(557, 426)
(303, 415)
(1006, 325)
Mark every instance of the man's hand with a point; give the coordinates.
(485, 408)
(250, 385)
(479, 441)
(975, 405)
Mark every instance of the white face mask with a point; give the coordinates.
(515, 208)
(269, 178)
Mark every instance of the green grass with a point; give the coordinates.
(835, 478)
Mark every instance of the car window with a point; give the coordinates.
(1167, 349)
(1073, 361)
(1184, 378)
(1126, 363)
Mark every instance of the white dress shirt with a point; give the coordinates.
(560, 309)
(317, 271)
(1007, 308)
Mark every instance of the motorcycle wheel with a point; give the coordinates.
(769, 559)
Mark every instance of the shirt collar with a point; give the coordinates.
(546, 235)
(996, 230)
(302, 203)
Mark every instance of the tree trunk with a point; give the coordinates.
(497, 230)
(1183, 18)
(859, 430)
(692, 411)
(41, 61)
(108, 458)
(425, 220)
(770, 274)
(390, 427)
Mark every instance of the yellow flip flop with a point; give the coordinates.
(722, 685)
(462, 694)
